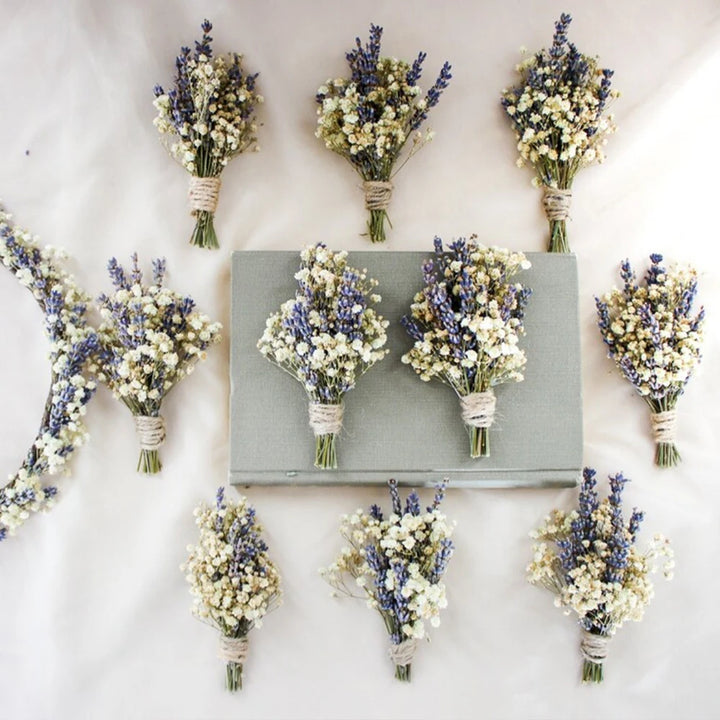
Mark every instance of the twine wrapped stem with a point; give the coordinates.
(402, 656)
(234, 651)
(594, 649)
(556, 202)
(203, 195)
(326, 423)
(377, 199)
(664, 424)
(151, 433)
(478, 414)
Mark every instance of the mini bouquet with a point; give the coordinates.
(558, 114)
(210, 117)
(73, 344)
(369, 118)
(466, 323)
(589, 560)
(150, 339)
(398, 562)
(326, 337)
(232, 580)
(655, 341)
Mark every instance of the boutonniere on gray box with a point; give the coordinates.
(466, 323)
(326, 337)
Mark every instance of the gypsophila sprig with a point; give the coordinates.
(396, 563)
(206, 120)
(150, 339)
(369, 118)
(588, 558)
(558, 113)
(326, 337)
(466, 323)
(655, 339)
(233, 582)
(72, 344)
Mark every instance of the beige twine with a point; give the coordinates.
(478, 409)
(150, 430)
(233, 649)
(203, 193)
(403, 653)
(594, 648)
(377, 194)
(325, 419)
(556, 202)
(663, 426)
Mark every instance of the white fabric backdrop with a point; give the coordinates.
(94, 612)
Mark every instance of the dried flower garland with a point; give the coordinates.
(398, 562)
(466, 323)
(232, 580)
(588, 559)
(369, 118)
(326, 337)
(656, 341)
(150, 339)
(72, 343)
(558, 114)
(210, 117)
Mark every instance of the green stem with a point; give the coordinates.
(376, 225)
(233, 676)
(402, 672)
(325, 453)
(592, 672)
(479, 441)
(558, 237)
(666, 455)
(204, 235)
(149, 462)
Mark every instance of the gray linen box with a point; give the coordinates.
(396, 425)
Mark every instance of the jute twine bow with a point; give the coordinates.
(203, 193)
(403, 653)
(325, 419)
(556, 202)
(377, 194)
(233, 649)
(151, 431)
(478, 409)
(594, 648)
(663, 426)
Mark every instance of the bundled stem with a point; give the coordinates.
(325, 452)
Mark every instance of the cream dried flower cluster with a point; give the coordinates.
(467, 321)
(151, 337)
(328, 335)
(655, 339)
(72, 344)
(589, 560)
(398, 562)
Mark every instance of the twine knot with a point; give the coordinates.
(556, 202)
(478, 409)
(325, 419)
(377, 194)
(150, 430)
(594, 648)
(203, 193)
(233, 649)
(663, 426)
(403, 653)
